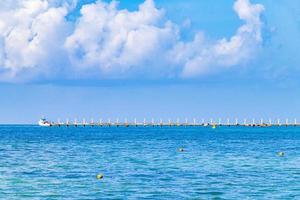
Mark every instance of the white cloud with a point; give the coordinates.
(36, 41)
(32, 37)
(119, 42)
(201, 57)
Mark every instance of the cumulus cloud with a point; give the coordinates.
(36, 39)
(32, 38)
(119, 42)
(201, 57)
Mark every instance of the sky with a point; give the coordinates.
(149, 59)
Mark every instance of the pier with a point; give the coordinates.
(177, 123)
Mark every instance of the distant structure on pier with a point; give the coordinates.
(161, 123)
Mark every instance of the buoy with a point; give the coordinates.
(99, 176)
(214, 127)
(281, 154)
(181, 149)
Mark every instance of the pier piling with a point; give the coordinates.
(169, 123)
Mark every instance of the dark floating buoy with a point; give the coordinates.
(181, 149)
(281, 153)
(99, 176)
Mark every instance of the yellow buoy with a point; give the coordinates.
(99, 176)
(281, 154)
(181, 150)
(214, 127)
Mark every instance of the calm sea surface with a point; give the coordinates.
(144, 163)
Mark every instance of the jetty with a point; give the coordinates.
(169, 123)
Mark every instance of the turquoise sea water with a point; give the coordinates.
(144, 163)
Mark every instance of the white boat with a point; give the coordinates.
(44, 122)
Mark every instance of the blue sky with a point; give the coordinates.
(195, 59)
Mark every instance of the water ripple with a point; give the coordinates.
(144, 163)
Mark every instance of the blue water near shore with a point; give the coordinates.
(144, 163)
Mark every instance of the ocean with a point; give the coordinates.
(145, 163)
